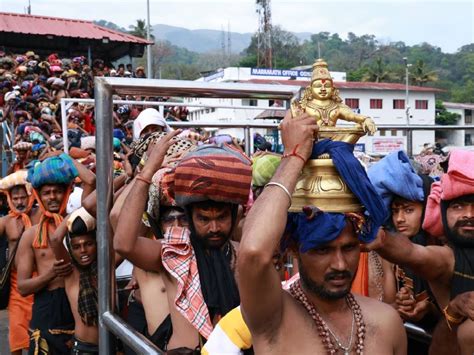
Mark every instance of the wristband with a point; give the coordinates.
(141, 178)
(281, 186)
(294, 154)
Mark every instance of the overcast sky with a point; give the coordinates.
(448, 24)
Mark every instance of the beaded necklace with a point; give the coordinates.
(323, 330)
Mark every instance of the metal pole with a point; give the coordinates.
(409, 132)
(128, 335)
(104, 122)
(148, 37)
(247, 140)
(64, 126)
(89, 55)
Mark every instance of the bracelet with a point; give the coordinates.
(281, 186)
(141, 178)
(451, 319)
(294, 154)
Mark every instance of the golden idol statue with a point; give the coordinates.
(320, 184)
(321, 100)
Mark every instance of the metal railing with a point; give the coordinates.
(104, 89)
(8, 139)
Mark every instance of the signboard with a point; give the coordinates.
(386, 145)
(280, 72)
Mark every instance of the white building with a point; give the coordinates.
(384, 102)
(459, 138)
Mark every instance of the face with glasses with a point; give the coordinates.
(173, 217)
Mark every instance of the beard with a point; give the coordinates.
(455, 236)
(214, 244)
(319, 289)
(20, 208)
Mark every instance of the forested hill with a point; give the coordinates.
(363, 58)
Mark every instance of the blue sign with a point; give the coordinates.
(280, 72)
(359, 147)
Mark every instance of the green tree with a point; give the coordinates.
(140, 29)
(420, 74)
(443, 117)
(378, 72)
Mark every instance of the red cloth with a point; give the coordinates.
(179, 259)
(459, 180)
(432, 223)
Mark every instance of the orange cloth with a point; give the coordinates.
(42, 232)
(19, 316)
(360, 285)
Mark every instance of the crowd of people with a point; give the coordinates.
(218, 264)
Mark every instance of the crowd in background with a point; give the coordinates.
(163, 199)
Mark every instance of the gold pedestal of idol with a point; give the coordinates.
(321, 185)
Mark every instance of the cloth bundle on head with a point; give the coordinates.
(22, 146)
(325, 226)
(147, 117)
(18, 178)
(54, 170)
(213, 172)
(457, 182)
(394, 175)
(58, 170)
(180, 147)
(79, 223)
(263, 169)
(88, 142)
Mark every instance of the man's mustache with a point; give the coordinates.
(215, 235)
(346, 274)
(469, 222)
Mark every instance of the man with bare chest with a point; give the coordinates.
(318, 315)
(81, 283)
(20, 217)
(52, 323)
(197, 264)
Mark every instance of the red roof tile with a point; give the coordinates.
(43, 25)
(351, 85)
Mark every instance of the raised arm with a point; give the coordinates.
(433, 263)
(56, 242)
(142, 252)
(259, 283)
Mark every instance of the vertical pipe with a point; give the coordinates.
(64, 126)
(89, 55)
(104, 122)
(148, 37)
(409, 132)
(247, 140)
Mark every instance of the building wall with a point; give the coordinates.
(383, 139)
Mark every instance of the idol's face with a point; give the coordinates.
(322, 89)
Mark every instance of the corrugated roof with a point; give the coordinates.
(351, 85)
(464, 106)
(44, 25)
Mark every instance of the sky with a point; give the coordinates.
(448, 24)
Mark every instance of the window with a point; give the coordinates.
(352, 103)
(249, 102)
(398, 104)
(468, 116)
(376, 104)
(421, 104)
(382, 133)
(394, 132)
